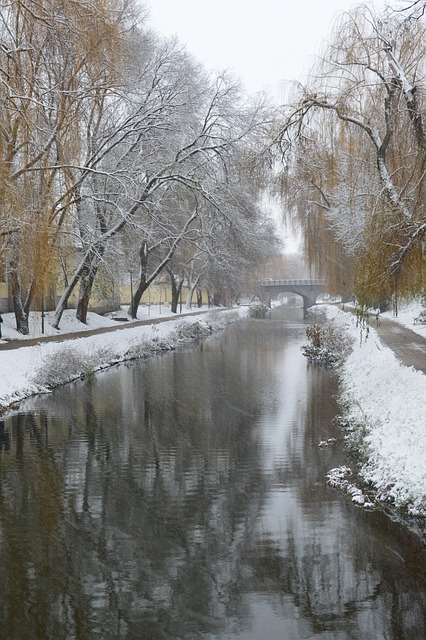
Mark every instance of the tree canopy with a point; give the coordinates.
(118, 148)
(354, 146)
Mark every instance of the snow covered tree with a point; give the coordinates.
(166, 151)
(355, 147)
(55, 57)
(104, 126)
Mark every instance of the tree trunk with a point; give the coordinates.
(143, 283)
(86, 285)
(137, 296)
(21, 316)
(63, 301)
(199, 298)
(175, 300)
(87, 270)
(189, 297)
(93, 259)
(191, 289)
(177, 284)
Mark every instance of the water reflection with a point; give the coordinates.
(185, 498)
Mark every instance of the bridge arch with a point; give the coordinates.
(308, 290)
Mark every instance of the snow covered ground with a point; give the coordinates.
(70, 324)
(384, 401)
(33, 369)
(385, 416)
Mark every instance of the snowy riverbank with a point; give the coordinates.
(384, 418)
(36, 369)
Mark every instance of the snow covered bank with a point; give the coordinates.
(37, 369)
(384, 417)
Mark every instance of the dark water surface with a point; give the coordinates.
(184, 497)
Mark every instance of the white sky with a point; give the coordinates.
(265, 42)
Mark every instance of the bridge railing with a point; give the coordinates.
(269, 282)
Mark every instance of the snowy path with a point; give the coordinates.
(61, 337)
(409, 347)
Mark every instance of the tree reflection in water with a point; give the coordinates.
(184, 497)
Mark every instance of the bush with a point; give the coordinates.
(258, 310)
(188, 331)
(67, 364)
(328, 344)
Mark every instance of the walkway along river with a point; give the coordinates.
(184, 497)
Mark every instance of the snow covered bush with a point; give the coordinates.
(196, 330)
(339, 478)
(67, 364)
(421, 319)
(258, 310)
(144, 348)
(328, 345)
(219, 320)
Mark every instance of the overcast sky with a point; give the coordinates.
(265, 42)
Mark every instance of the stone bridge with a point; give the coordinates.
(308, 289)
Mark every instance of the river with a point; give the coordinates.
(184, 497)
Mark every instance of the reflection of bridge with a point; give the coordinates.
(309, 290)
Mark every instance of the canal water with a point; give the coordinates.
(184, 497)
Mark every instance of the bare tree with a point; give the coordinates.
(106, 127)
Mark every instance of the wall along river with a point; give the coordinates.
(184, 497)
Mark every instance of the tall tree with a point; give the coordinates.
(55, 55)
(361, 120)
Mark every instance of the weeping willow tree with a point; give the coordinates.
(57, 56)
(314, 188)
(355, 147)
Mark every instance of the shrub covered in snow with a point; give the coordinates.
(339, 479)
(189, 331)
(69, 364)
(258, 310)
(328, 345)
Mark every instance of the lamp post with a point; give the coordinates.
(42, 313)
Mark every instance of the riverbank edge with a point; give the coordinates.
(59, 367)
(363, 493)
